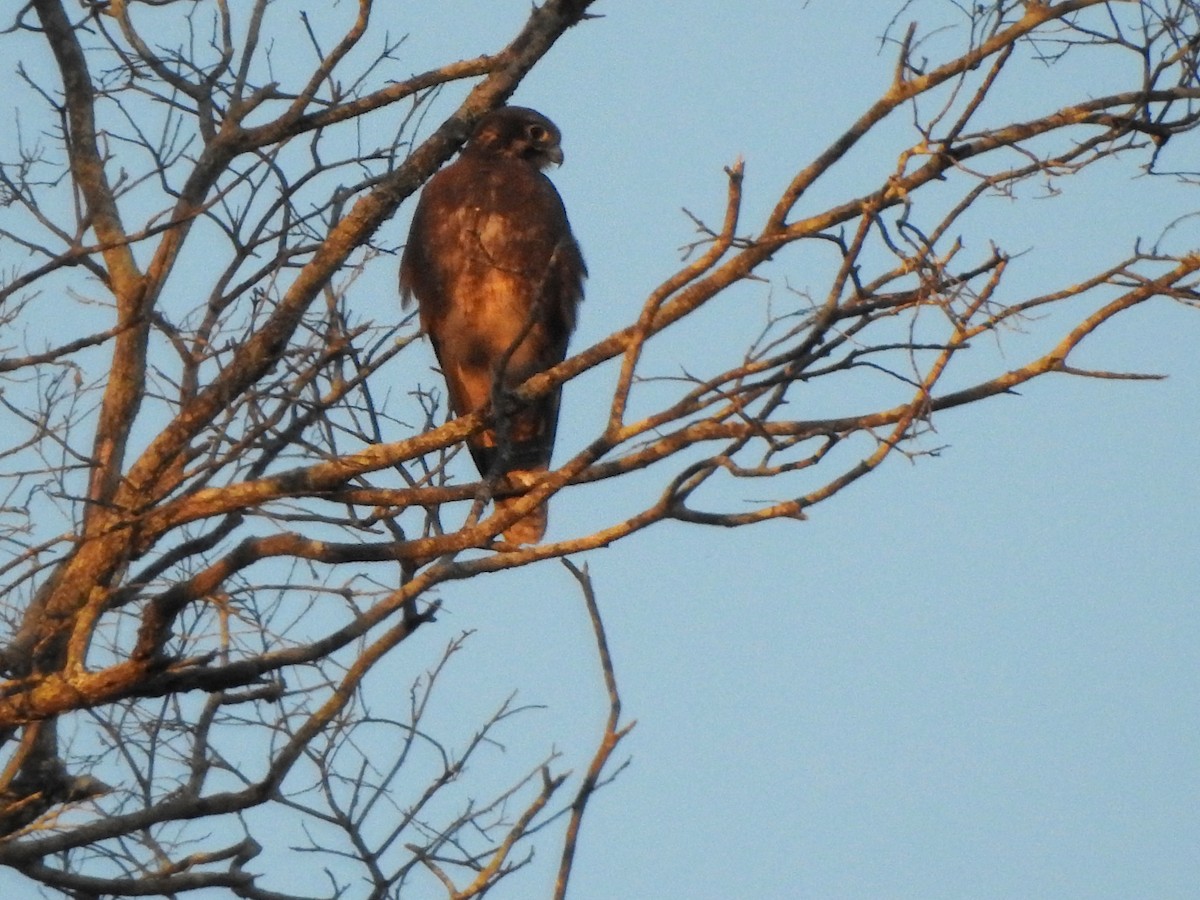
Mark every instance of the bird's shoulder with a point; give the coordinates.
(492, 184)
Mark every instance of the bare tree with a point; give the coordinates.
(218, 519)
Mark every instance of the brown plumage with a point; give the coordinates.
(497, 276)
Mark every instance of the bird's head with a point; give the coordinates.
(518, 132)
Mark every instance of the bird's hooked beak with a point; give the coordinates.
(555, 155)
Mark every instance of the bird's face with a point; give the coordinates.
(519, 132)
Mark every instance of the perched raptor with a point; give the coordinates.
(497, 276)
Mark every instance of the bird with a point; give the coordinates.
(498, 277)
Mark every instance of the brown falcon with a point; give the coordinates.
(497, 276)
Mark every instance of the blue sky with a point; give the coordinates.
(975, 676)
(972, 676)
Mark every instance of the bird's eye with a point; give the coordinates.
(538, 133)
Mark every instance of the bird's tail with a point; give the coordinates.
(529, 529)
